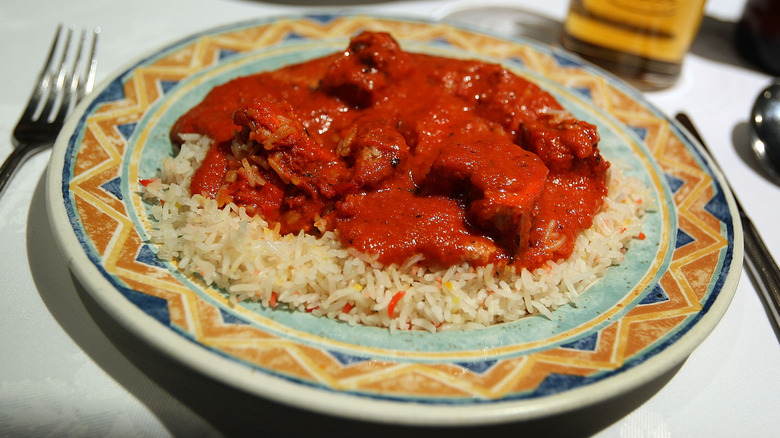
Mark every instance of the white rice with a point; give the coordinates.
(247, 260)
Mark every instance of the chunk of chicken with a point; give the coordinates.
(536, 120)
(563, 142)
(497, 182)
(288, 148)
(362, 74)
(374, 148)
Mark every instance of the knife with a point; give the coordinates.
(760, 264)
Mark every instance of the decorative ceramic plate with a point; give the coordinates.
(639, 321)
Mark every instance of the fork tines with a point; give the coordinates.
(63, 81)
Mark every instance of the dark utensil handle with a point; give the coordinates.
(761, 266)
(11, 165)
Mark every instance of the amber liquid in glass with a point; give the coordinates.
(643, 41)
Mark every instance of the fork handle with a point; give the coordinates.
(12, 163)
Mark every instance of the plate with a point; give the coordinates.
(638, 322)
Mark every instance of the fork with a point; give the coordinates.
(67, 76)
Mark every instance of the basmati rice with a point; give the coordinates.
(248, 260)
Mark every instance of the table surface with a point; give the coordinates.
(67, 369)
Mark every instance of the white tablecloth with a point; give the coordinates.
(66, 369)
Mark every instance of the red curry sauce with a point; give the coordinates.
(403, 154)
